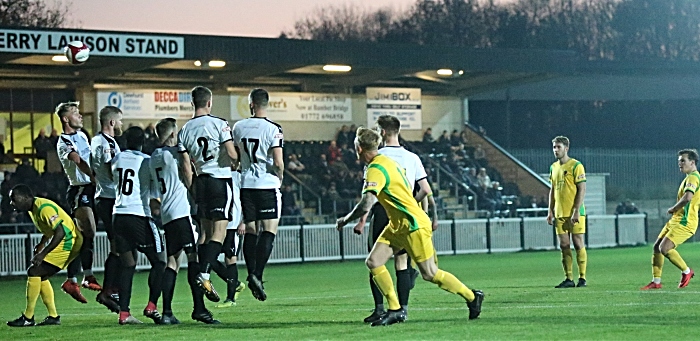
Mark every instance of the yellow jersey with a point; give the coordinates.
(387, 180)
(688, 215)
(564, 179)
(48, 216)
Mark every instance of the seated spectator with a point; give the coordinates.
(322, 169)
(483, 179)
(294, 165)
(9, 157)
(494, 193)
(339, 166)
(26, 173)
(428, 136)
(333, 152)
(289, 203)
(444, 142)
(479, 154)
(626, 207)
(347, 152)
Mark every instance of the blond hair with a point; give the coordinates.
(62, 108)
(368, 139)
(561, 139)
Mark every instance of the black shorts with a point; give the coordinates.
(232, 243)
(103, 211)
(136, 233)
(179, 236)
(214, 197)
(81, 196)
(379, 221)
(260, 204)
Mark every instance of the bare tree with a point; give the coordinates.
(33, 13)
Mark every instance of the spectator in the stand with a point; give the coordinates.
(2, 149)
(347, 152)
(294, 165)
(26, 173)
(9, 157)
(483, 179)
(626, 207)
(322, 168)
(289, 203)
(53, 138)
(494, 193)
(343, 136)
(333, 192)
(334, 152)
(444, 142)
(338, 166)
(353, 131)
(151, 140)
(428, 136)
(42, 144)
(471, 177)
(5, 188)
(479, 154)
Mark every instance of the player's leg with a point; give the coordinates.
(377, 223)
(71, 286)
(36, 276)
(86, 221)
(419, 246)
(125, 226)
(103, 211)
(228, 271)
(677, 235)
(250, 244)
(563, 229)
(403, 279)
(169, 280)
(376, 262)
(657, 263)
(578, 237)
(151, 245)
(199, 311)
(268, 209)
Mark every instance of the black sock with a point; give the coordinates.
(111, 273)
(403, 286)
(210, 251)
(155, 281)
(125, 283)
(197, 294)
(169, 278)
(73, 268)
(86, 253)
(250, 244)
(265, 244)
(220, 270)
(232, 281)
(376, 294)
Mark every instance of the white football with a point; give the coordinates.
(76, 52)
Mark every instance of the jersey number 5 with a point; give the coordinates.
(255, 144)
(126, 185)
(161, 180)
(204, 143)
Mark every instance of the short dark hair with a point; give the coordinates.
(200, 96)
(389, 123)
(561, 139)
(259, 97)
(23, 190)
(108, 113)
(691, 153)
(135, 138)
(165, 127)
(62, 108)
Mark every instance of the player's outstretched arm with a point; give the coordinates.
(368, 200)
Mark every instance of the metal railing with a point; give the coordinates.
(458, 183)
(307, 243)
(302, 187)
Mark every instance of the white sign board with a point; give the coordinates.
(100, 44)
(404, 103)
(149, 104)
(290, 106)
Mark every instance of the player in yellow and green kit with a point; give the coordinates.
(682, 224)
(64, 242)
(409, 228)
(566, 210)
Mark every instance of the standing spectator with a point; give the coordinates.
(343, 136)
(53, 138)
(428, 136)
(333, 152)
(42, 144)
(346, 152)
(353, 131)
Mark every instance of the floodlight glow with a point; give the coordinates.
(444, 72)
(217, 63)
(60, 58)
(337, 68)
(197, 63)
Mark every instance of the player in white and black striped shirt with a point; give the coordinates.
(259, 141)
(207, 141)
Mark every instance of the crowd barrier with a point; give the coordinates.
(295, 244)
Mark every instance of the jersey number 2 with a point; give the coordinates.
(204, 143)
(126, 185)
(254, 148)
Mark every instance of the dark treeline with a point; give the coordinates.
(598, 29)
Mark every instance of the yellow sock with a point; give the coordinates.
(383, 280)
(33, 289)
(676, 259)
(448, 282)
(47, 297)
(581, 260)
(657, 264)
(568, 262)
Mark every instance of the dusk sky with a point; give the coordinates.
(256, 18)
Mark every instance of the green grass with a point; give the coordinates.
(329, 301)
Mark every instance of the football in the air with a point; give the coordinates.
(76, 52)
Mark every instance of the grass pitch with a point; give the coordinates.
(329, 300)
